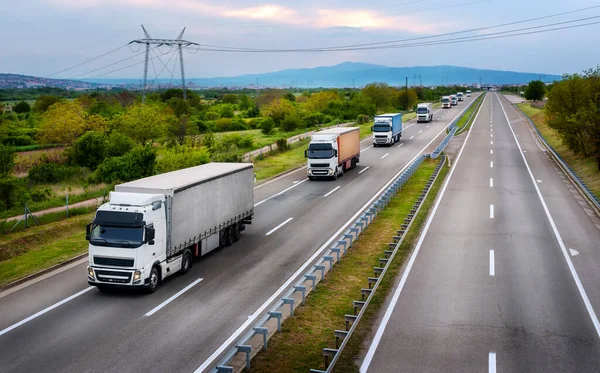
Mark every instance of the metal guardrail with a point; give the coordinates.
(571, 173)
(374, 282)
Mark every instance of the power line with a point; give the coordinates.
(85, 62)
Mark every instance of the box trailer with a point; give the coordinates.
(153, 227)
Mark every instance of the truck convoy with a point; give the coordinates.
(446, 102)
(152, 228)
(387, 129)
(333, 151)
(425, 112)
(460, 96)
(453, 100)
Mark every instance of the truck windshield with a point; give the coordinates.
(381, 127)
(320, 151)
(116, 236)
(422, 110)
(445, 100)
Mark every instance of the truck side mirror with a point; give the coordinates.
(88, 231)
(335, 152)
(372, 128)
(306, 153)
(150, 233)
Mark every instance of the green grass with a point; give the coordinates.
(8, 227)
(462, 122)
(298, 348)
(41, 247)
(26, 148)
(585, 168)
(279, 162)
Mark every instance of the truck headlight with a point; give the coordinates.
(136, 276)
(90, 272)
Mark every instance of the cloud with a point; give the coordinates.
(368, 19)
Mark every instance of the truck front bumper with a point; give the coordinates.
(320, 172)
(109, 277)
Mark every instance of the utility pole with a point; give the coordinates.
(179, 43)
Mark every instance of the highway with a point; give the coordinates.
(60, 324)
(505, 276)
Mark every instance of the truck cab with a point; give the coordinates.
(126, 238)
(460, 96)
(446, 102)
(387, 129)
(332, 152)
(425, 112)
(468, 93)
(454, 100)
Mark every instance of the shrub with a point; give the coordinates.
(226, 157)
(290, 123)
(12, 193)
(255, 123)
(51, 173)
(180, 157)
(361, 119)
(282, 145)
(212, 115)
(89, 150)
(118, 144)
(20, 140)
(313, 119)
(227, 112)
(267, 127)
(22, 107)
(238, 125)
(41, 194)
(208, 140)
(223, 124)
(140, 162)
(7, 160)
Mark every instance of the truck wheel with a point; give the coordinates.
(311, 178)
(227, 236)
(353, 164)
(154, 281)
(231, 234)
(237, 232)
(186, 262)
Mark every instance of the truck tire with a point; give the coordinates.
(353, 164)
(231, 234)
(237, 232)
(154, 281)
(311, 178)
(186, 262)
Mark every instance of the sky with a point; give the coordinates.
(44, 37)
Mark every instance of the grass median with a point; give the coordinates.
(298, 348)
(585, 167)
(467, 119)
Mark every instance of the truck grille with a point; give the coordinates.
(320, 172)
(381, 139)
(113, 262)
(113, 276)
(319, 165)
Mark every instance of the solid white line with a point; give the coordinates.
(492, 362)
(385, 155)
(157, 308)
(491, 182)
(491, 151)
(333, 190)
(388, 312)
(539, 181)
(412, 137)
(280, 193)
(364, 169)
(563, 248)
(491, 211)
(491, 164)
(45, 310)
(367, 148)
(277, 227)
(400, 145)
(492, 269)
(242, 328)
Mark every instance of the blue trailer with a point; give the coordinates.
(387, 129)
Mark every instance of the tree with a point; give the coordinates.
(180, 106)
(89, 150)
(319, 101)
(62, 123)
(290, 123)
(406, 99)
(21, 107)
(267, 127)
(118, 144)
(43, 103)
(268, 96)
(140, 162)
(126, 98)
(278, 109)
(96, 122)
(535, 90)
(181, 128)
(379, 93)
(230, 98)
(245, 102)
(7, 160)
(144, 123)
(290, 97)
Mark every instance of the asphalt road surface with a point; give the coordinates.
(505, 277)
(86, 330)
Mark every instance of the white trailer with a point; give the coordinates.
(153, 227)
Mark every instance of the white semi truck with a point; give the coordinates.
(152, 228)
(387, 129)
(446, 102)
(333, 151)
(425, 112)
(460, 96)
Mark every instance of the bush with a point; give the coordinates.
(22, 107)
(7, 160)
(181, 157)
(20, 140)
(212, 115)
(208, 140)
(238, 125)
(255, 123)
(361, 119)
(313, 119)
(41, 194)
(227, 112)
(267, 127)
(51, 173)
(89, 150)
(290, 123)
(282, 145)
(227, 157)
(118, 144)
(140, 162)
(223, 124)
(12, 193)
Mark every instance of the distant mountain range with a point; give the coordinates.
(347, 74)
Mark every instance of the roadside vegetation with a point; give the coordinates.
(464, 123)
(298, 348)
